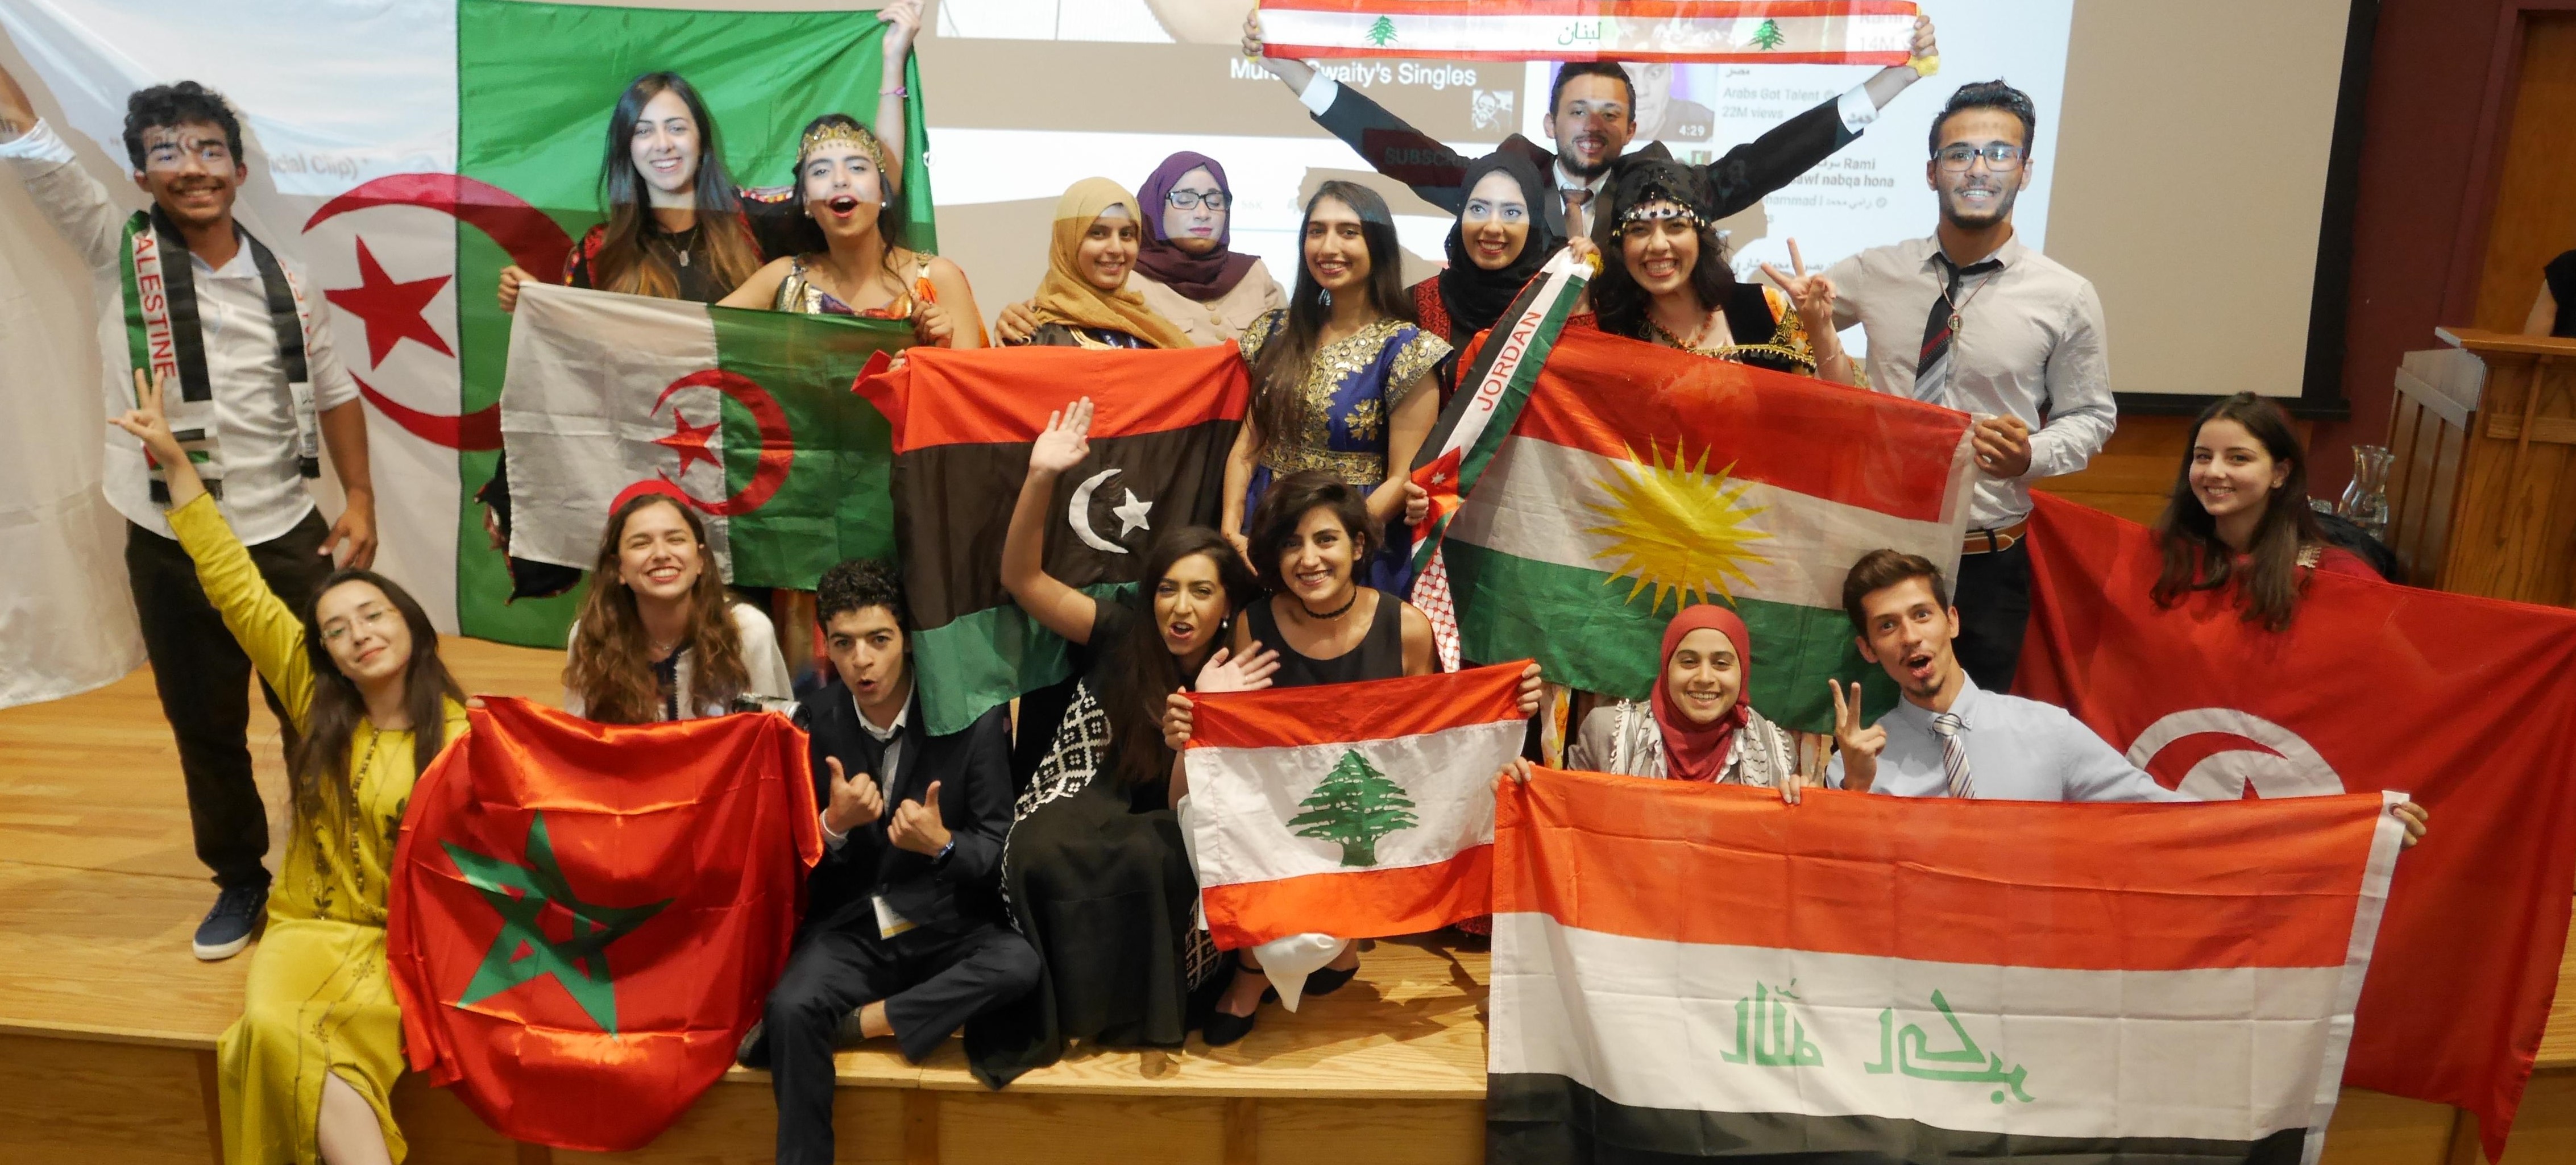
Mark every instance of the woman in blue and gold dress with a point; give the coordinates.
(1342, 378)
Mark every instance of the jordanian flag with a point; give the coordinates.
(748, 412)
(586, 918)
(963, 422)
(1354, 810)
(1697, 971)
(1794, 32)
(1636, 478)
(403, 153)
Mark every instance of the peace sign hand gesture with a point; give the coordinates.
(1813, 294)
(1860, 744)
(151, 425)
(1065, 441)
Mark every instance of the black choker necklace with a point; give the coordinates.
(1344, 609)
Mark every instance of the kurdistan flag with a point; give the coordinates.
(1698, 971)
(1635, 478)
(963, 422)
(748, 412)
(413, 149)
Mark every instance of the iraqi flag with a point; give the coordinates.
(586, 918)
(1635, 479)
(963, 422)
(1698, 971)
(1771, 32)
(749, 412)
(404, 151)
(2466, 704)
(1354, 810)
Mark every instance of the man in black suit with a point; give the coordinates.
(904, 921)
(1592, 117)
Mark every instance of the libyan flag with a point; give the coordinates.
(963, 422)
(2466, 704)
(404, 151)
(1699, 972)
(748, 412)
(586, 918)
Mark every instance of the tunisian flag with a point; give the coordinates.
(586, 917)
(2466, 704)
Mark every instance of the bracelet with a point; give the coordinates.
(897, 91)
(1924, 66)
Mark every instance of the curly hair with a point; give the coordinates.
(611, 665)
(858, 584)
(171, 106)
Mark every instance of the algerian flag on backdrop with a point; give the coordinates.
(404, 151)
(749, 412)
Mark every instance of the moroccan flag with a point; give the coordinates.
(750, 412)
(1637, 478)
(963, 422)
(1354, 810)
(1797, 32)
(2466, 704)
(586, 918)
(1698, 971)
(410, 151)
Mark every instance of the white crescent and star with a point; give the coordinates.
(1132, 515)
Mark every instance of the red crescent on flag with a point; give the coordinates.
(777, 439)
(534, 241)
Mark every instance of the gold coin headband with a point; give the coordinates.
(836, 133)
(1656, 207)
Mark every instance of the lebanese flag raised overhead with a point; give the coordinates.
(1781, 32)
(1698, 971)
(2467, 704)
(1354, 810)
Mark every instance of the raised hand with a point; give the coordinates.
(917, 826)
(2002, 446)
(854, 802)
(1926, 47)
(1223, 673)
(147, 422)
(1860, 744)
(905, 18)
(1812, 294)
(1065, 441)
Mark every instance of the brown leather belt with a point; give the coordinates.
(2001, 538)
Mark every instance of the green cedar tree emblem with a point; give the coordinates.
(1354, 807)
(1382, 33)
(1769, 36)
(520, 894)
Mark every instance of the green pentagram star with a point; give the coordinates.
(520, 894)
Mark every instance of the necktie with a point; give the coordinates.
(1577, 224)
(1932, 367)
(1954, 754)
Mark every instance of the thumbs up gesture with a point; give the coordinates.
(917, 826)
(854, 802)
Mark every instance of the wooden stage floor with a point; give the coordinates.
(107, 1024)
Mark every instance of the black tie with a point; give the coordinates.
(1932, 367)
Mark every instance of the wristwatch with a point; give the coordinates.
(942, 857)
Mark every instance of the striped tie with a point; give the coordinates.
(1932, 364)
(1954, 755)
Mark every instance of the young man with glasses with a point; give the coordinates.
(1971, 319)
(255, 390)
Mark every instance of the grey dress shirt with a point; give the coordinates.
(2018, 750)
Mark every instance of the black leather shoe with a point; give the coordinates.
(1327, 980)
(753, 1051)
(1223, 1029)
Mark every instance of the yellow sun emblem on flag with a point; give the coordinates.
(1678, 528)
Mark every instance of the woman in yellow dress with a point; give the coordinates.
(307, 1070)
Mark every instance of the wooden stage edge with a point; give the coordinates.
(108, 1025)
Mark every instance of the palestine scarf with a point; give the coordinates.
(1474, 296)
(1065, 297)
(164, 336)
(1196, 277)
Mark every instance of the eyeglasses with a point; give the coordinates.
(1998, 156)
(1189, 199)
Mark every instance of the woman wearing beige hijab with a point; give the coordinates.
(1083, 301)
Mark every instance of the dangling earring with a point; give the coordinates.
(1324, 295)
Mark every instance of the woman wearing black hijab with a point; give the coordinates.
(1504, 234)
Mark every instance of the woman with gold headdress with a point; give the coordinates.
(849, 258)
(1083, 302)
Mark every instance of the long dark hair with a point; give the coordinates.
(2195, 558)
(317, 766)
(1148, 673)
(611, 664)
(624, 263)
(808, 235)
(1634, 181)
(1279, 375)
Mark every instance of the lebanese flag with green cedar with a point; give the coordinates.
(749, 412)
(963, 422)
(1636, 479)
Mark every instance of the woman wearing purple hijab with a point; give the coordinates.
(1185, 272)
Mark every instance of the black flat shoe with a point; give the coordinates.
(1327, 980)
(753, 1051)
(1222, 1029)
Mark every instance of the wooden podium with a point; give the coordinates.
(2482, 489)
